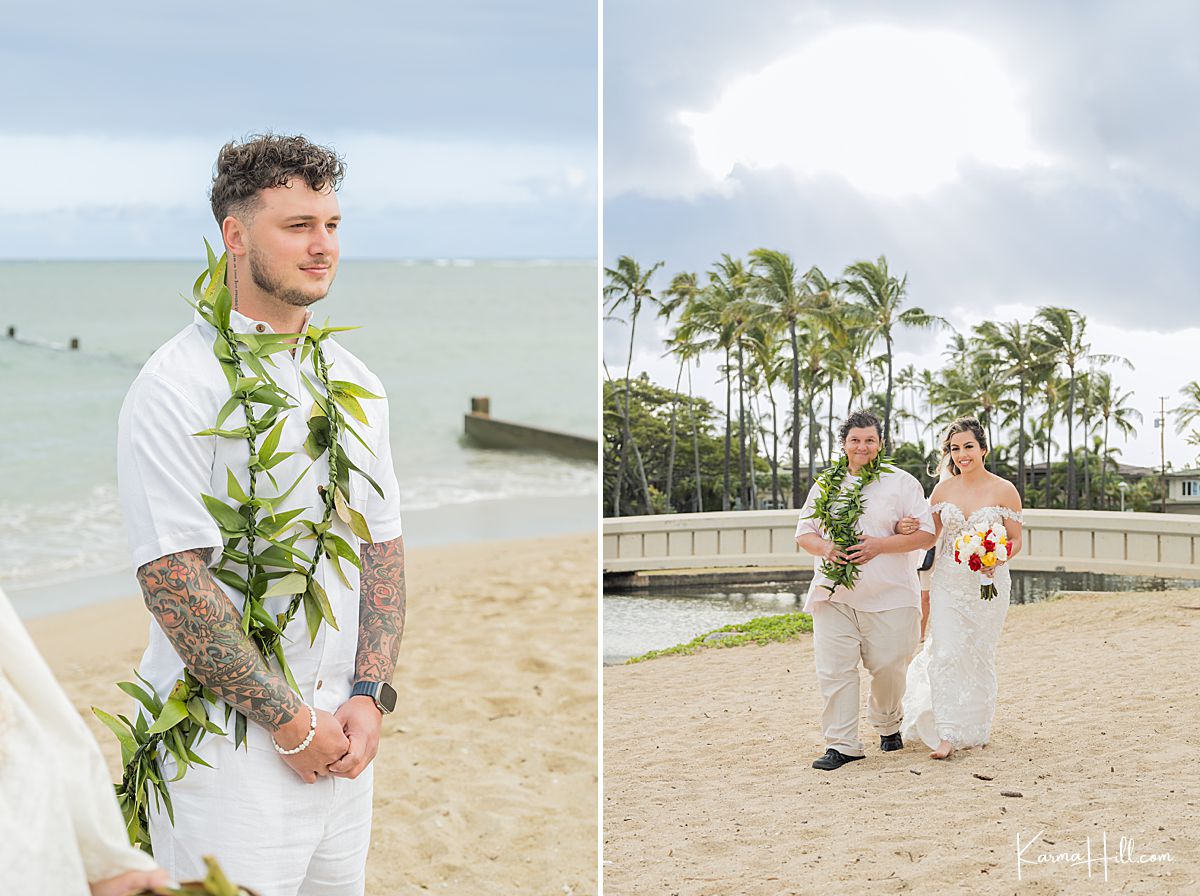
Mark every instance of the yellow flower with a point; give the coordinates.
(989, 559)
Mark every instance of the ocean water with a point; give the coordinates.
(436, 333)
(638, 623)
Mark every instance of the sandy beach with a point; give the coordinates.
(487, 773)
(709, 789)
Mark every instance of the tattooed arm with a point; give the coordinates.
(204, 628)
(206, 631)
(381, 607)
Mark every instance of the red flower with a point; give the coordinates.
(957, 558)
(989, 545)
(975, 563)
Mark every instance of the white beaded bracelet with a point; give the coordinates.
(303, 744)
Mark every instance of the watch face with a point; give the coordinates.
(387, 697)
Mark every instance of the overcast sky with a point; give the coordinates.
(468, 128)
(1004, 155)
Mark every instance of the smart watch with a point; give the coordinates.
(381, 692)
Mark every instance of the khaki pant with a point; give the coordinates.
(885, 641)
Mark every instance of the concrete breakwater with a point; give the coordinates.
(486, 431)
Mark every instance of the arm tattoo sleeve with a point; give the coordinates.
(381, 610)
(205, 630)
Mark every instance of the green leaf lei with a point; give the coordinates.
(257, 536)
(838, 513)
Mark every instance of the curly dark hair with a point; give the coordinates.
(859, 420)
(962, 424)
(262, 161)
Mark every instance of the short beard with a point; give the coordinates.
(261, 275)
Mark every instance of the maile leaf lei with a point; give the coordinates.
(260, 540)
(839, 512)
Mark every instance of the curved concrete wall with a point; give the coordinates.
(1142, 544)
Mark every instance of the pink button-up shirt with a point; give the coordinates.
(890, 580)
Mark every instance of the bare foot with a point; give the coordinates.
(943, 751)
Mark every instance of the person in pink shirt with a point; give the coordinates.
(878, 619)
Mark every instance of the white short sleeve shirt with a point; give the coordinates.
(163, 469)
(890, 580)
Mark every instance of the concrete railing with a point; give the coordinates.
(1139, 544)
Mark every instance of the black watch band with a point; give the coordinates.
(381, 692)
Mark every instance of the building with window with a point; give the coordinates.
(1183, 491)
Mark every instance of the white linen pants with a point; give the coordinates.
(270, 831)
(884, 641)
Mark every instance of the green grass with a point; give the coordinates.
(762, 630)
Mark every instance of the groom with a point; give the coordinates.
(289, 815)
(879, 619)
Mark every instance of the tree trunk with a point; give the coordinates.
(620, 471)
(829, 454)
(796, 500)
(752, 487)
(1049, 439)
(812, 426)
(1104, 469)
(728, 430)
(1087, 471)
(695, 445)
(671, 452)
(887, 403)
(1071, 497)
(626, 435)
(1021, 443)
(637, 456)
(775, 495)
(743, 493)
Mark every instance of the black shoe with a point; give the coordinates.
(890, 742)
(833, 759)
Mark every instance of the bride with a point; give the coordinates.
(950, 697)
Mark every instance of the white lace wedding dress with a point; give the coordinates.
(951, 688)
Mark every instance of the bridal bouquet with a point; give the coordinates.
(982, 550)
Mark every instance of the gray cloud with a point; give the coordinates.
(1112, 229)
(480, 117)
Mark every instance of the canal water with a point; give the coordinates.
(635, 623)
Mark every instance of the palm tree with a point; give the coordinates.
(975, 389)
(1051, 389)
(779, 285)
(1062, 333)
(881, 297)
(905, 380)
(1112, 408)
(629, 285)
(928, 384)
(769, 366)
(709, 317)
(1041, 434)
(844, 344)
(683, 287)
(1022, 359)
(730, 287)
(1188, 412)
(1086, 411)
